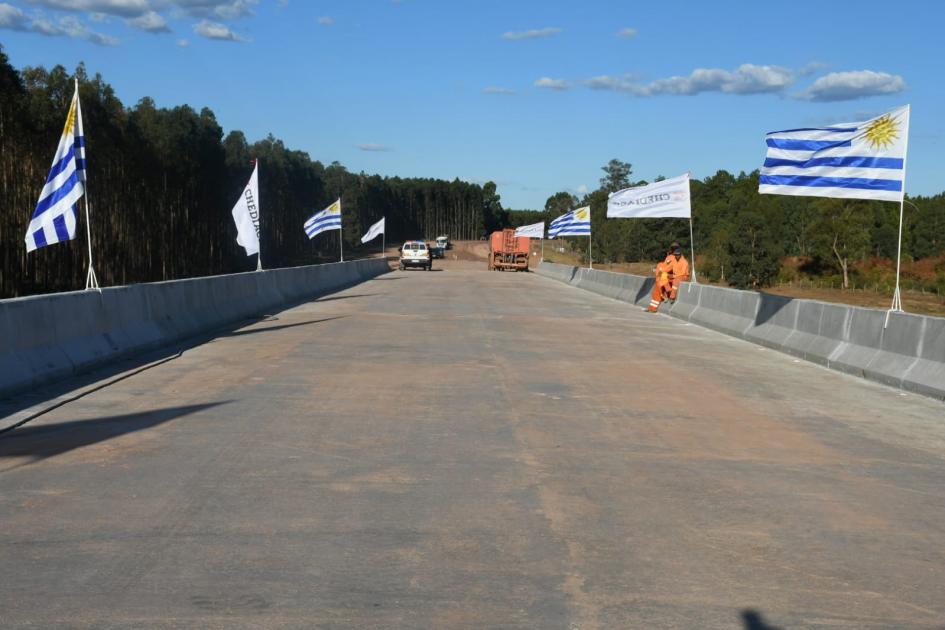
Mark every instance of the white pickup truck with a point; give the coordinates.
(415, 254)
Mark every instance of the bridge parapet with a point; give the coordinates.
(908, 353)
(44, 338)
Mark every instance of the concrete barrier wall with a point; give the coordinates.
(909, 353)
(48, 337)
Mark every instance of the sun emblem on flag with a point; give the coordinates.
(882, 132)
(581, 214)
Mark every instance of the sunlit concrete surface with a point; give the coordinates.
(464, 449)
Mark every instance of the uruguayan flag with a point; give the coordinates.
(327, 219)
(861, 160)
(575, 223)
(54, 219)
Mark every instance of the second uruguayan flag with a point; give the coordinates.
(574, 223)
(327, 219)
(861, 160)
(54, 218)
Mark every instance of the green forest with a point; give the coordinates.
(749, 240)
(162, 182)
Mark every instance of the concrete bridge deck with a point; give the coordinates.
(460, 449)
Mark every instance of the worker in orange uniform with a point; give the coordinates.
(671, 271)
(679, 272)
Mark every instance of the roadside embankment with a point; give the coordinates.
(908, 353)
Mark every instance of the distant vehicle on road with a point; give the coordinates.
(444, 242)
(507, 251)
(415, 254)
(437, 251)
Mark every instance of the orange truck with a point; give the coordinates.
(506, 251)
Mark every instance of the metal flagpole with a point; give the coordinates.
(897, 294)
(590, 252)
(692, 250)
(384, 240)
(91, 281)
(542, 259)
(259, 266)
(341, 234)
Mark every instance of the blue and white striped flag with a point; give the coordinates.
(54, 219)
(861, 160)
(327, 219)
(574, 223)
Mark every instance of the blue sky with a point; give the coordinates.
(536, 96)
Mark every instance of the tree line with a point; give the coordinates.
(162, 183)
(747, 239)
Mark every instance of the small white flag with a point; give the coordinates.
(246, 215)
(373, 232)
(535, 230)
(668, 198)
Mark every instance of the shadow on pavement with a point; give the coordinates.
(240, 333)
(347, 297)
(753, 620)
(45, 441)
(145, 359)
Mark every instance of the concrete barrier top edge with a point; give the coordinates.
(167, 282)
(800, 300)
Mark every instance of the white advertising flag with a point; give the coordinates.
(668, 198)
(246, 215)
(535, 230)
(373, 232)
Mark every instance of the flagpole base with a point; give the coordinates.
(91, 282)
(896, 306)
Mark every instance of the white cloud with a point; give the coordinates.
(625, 83)
(581, 190)
(377, 148)
(183, 43)
(848, 86)
(492, 89)
(14, 19)
(535, 33)
(627, 33)
(746, 79)
(552, 84)
(121, 8)
(218, 9)
(215, 30)
(325, 20)
(812, 68)
(151, 22)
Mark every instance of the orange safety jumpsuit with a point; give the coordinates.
(669, 274)
(663, 284)
(679, 273)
